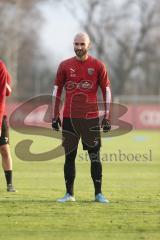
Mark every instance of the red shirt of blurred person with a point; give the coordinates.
(5, 89)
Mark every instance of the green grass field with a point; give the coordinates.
(132, 185)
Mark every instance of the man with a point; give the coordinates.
(5, 90)
(81, 76)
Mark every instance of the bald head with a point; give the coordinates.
(81, 45)
(83, 36)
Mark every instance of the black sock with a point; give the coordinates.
(70, 171)
(96, 170)
(8, 176)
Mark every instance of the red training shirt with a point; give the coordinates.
(80, 80)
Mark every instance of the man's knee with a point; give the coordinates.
(94, 155)
(4, 150)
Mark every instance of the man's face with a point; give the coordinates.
(81, 46)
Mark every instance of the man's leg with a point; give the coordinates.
(6, 162)
(70, 171)
(96, 173)
(69, 175)
(7, 166)
(96, 170)
(70, 144)
(92, 142)
(6, 155)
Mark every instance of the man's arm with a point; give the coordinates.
(106, 91)
(107, 102)
(3, 81)
(56, 98)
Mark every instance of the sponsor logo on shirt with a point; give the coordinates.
(83, 84)
(86, 84)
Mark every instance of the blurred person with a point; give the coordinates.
(5, 90)
(81, 76)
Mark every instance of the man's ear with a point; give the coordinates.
(89, 45)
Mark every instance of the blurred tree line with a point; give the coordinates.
(20, 48)
(126, 36)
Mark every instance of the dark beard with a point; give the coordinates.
(80, 53)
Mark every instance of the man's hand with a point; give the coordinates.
(106, 125)
(56, 123)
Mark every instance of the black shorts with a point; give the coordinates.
(87, 129)
(4, 138)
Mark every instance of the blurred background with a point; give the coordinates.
(36, 35)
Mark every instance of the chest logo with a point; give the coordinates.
(72, 72)
(90, 71)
